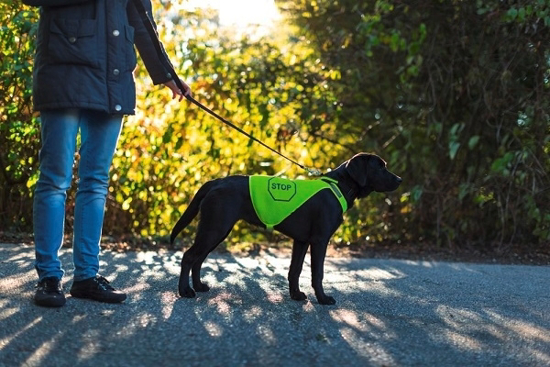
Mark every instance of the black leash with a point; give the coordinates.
(314, 172)
(166, 62)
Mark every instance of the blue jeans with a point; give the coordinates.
(99, 134)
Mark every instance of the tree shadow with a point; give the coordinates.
(388, 313)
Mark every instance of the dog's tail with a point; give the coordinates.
(192, 210)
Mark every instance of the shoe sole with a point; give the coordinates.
(98, 299)
(56, 302)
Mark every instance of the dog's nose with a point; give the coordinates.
(398, 179)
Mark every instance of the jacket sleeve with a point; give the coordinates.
(53, 2)
(147, 51)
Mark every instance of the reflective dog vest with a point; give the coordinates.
(275, 198)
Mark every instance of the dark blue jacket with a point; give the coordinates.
(85, 55)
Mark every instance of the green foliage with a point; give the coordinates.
(456, 94)
(18, 127)
(453, 94)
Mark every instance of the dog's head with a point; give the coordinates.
(370, 173)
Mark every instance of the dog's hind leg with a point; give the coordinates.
(299, 250)
(205, 241)
(192, 260)
(318, 252)
(187, 262)
(213, 228)
(198, 285)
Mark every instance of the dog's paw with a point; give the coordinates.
(187, 292)
(326, 300)
(201, 287)
(298, 296)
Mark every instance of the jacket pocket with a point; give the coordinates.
(73, 41)
(131, 60)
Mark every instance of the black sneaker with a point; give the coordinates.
(49, 293)
(98, 289)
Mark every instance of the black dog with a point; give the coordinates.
(224, 201)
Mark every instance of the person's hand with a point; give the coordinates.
(176, 92)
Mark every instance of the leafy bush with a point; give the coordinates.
(19, 130)
(456, 95)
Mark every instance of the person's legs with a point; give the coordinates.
(99, 135)
(58, 136)
(59, 130)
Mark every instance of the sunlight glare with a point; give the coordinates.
(242, 13)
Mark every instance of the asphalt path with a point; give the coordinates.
(388, 313)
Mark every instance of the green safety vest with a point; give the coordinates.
(275, 198)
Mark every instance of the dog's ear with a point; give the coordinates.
(357, 168)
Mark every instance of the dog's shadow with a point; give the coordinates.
(249, 310)
(246, 278)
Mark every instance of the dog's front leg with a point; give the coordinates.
(318, 252)
(299, 250)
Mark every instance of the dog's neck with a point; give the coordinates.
(347, 185)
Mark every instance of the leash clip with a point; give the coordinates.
(313, 171)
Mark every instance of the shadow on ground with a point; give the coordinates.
(389, 313)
